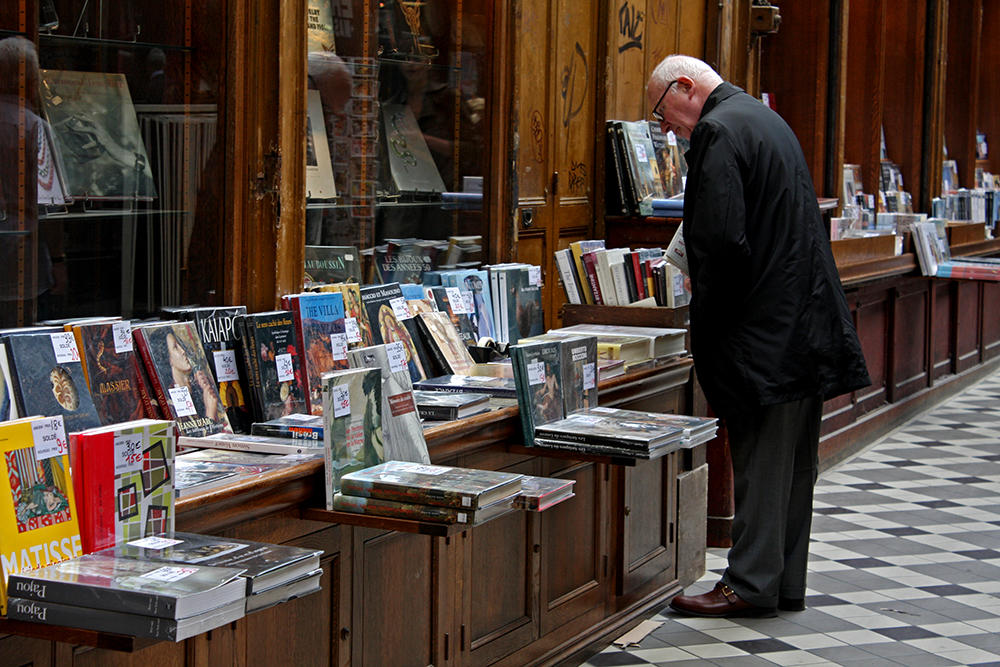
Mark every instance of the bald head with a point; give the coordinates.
(677, 91)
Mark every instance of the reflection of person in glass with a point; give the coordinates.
(199, 383)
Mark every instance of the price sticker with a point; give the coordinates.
(535, 275)
(338, 344)
(456, 300)
(400, 308)
(536, 373)
(352, 330)
(49, 436)
(181, 399)
(225, 366)
(286, 372)
(122, 333)
(640, 152)
(64, 345)
(589, 376)
(397, 356)
(671, 138)
(169, 573)
(420, 469)
(128, 452)
(470, 304)
(154, 542)
(341, 400)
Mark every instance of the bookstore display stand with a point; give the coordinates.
(431, 528)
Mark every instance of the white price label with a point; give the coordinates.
(225, 366)
(128, 452)
(341, 400)
(338, 345)
(535, 275)
(456, 300)
(64, 345)
(397, 356)
(536, 373)
(426, 469)
(181, 399)
(640, 152)
(286, 372)
(122, 333)
(671, 138)
(470, 304)
(49, 435)
(400, 308)
(352, 330)
(154, 542)
(588, 377)
(170, 573)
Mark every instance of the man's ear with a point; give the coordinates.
(686, 84)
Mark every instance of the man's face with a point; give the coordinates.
(674, 105)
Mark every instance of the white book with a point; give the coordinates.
(604, 280)
(564, 262)
(616, 264)
(676, 252)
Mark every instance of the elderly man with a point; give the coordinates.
(771, 333)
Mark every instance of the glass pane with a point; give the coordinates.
(113, 109)
(401, 89)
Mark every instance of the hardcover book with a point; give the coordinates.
(578, 249)
(410, 161)
(391, 320)
(663, 341)
(263, 444)
(352, 424)
(319, 323)
(537, 374)
(402, 435)
(179, 372)
(106, 353)
(540, 493)
(446, 406)
(477, 282)
(524, 303)
(502, 387)
(615, 451)
(332, 264)
(272, 354)
(294, 426)
(598, 427)
(450, 353)
(220, 337)
(190, 481)
(446, 486)
(123, 477)
(48, 378)
(419, 512)
(451, 302)
(38, 518)
(354, 308)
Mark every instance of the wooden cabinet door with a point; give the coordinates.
(646, 553)
(25, 651)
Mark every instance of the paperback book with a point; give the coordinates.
(352, 424)
(502, 387)
(271, 353)
(106, 353)
(262, 444)
(464, 488)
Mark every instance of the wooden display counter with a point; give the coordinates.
(523, 589)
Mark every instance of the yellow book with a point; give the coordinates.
(38, 518)
(626, 348)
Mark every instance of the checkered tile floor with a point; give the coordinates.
(904, 562)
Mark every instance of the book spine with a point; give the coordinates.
(437, 412)
(407, 494)
(590, 439)
(441, 365)
(93, 597)
(587, 448)
(293, 446)
(306, 433)
(15, 382)
(609, 291)
(576, 250)
(564, 263)
(591, 269)
(248, 346)
(101, 620)
(615, 189)
(620, 279)
(166, 407)
(631, 191)
(412, 511)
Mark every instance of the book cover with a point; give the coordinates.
(96, 132)
(38, 518)
(669, 160)
(319, 27)
(179, 372)
(449, 350)
(319, 323)
(124, 481)
(432, 485)
(611, 429)
(273, 358)
(537, 375)
(8, 406)
(319, 169)
(579, 373)
(48, 378)
(106, 353)
(567, 274)
(352, 424)
(622, 155)
(391, 320)
(449, 300)
(402, 435)
(250, 443)
(676, 252)
(577, 250)
(294, 426)
(589, 261)
(642, 163)
(355, 309)
(188, 482)
(475, 281)
(663, 341)
(332, 264)
(402, 261)
(502, 387)
(446, 406)
(626, 348)
(420, 512)
(410, 161)
(614, 450)
(220, 338)
(540, 493)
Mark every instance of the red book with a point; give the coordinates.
(640, 281)
(590, 266)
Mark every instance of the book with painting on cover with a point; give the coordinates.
(182, 381)
(598, 427)
(242, 442)
(450, 301)
(503, 387)
(432, 485)
(271, 353)
(332, 264)
(578, 367)
(477, 282)
(402, 435)
(106, 353)
(220, 336)
(319, 324)
(123, 478)
(38, 516)
(446, 406)
(391, 320)
(538, 374)
(133, 585)
(421, 512)
(540, 493)
(524, 303)
(451, 356)
(295, 426)
(352, 424)
(669, 160)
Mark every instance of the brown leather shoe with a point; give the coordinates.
(720, 602)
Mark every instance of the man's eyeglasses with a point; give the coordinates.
(657, 116)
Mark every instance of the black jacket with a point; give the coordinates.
(769, 322)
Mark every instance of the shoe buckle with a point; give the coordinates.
(728, 592)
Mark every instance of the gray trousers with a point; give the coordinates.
(774, 454)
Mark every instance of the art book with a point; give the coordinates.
(421, 512)
(319, 324)
(451, 356)
(124, 481)
(410, 161)
(271, 352)
(540, 493)
(403, 437)
(106, 352)
(220, 337)
(476, 282)
(599, 427)
(449, 300)
(48, 379)
(294, 426)
(38, 518)
(181, 379)
(352, 424)
(446, 486)
(537, 374)
(391, 320)
(332, 264)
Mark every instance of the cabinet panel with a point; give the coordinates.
(26, 652)
(910, 339)
(966, 324)
(533, 94)
(991, 320)
(942, 360)
(647, 549)
(164, 654)
(872, 323)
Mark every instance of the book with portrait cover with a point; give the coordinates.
(580, 355)
(538, 374)
(451, 302)
(123, 476)
(47, 378)
(476, 281)
(330, 264)
(446, 486)
(220, 336)
(181, 377)
(38, 517)
(421, 512)
(402, 435)
(320, 326)
(391, 320)
(271, 352)
(352, 424)
(107, 354)
(451, 356)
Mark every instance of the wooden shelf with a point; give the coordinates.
(384, 522)
(75, 636)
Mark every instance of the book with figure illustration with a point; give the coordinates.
(273, 358)
(352, 424)
(450, 353)
(106, 352)
(447, 486)
(391, 320)
(611, 429)
(538, 375)
(477, 283)
(449, 300)
(320, 327)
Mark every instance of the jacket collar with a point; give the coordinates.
(723, 91)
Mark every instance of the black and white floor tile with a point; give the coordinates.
(904, 561)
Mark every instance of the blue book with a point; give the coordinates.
(476, 281)
(319, 321)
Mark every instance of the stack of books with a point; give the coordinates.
(610, 432)
(446, 406)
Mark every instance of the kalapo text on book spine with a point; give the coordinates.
(220, 334)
